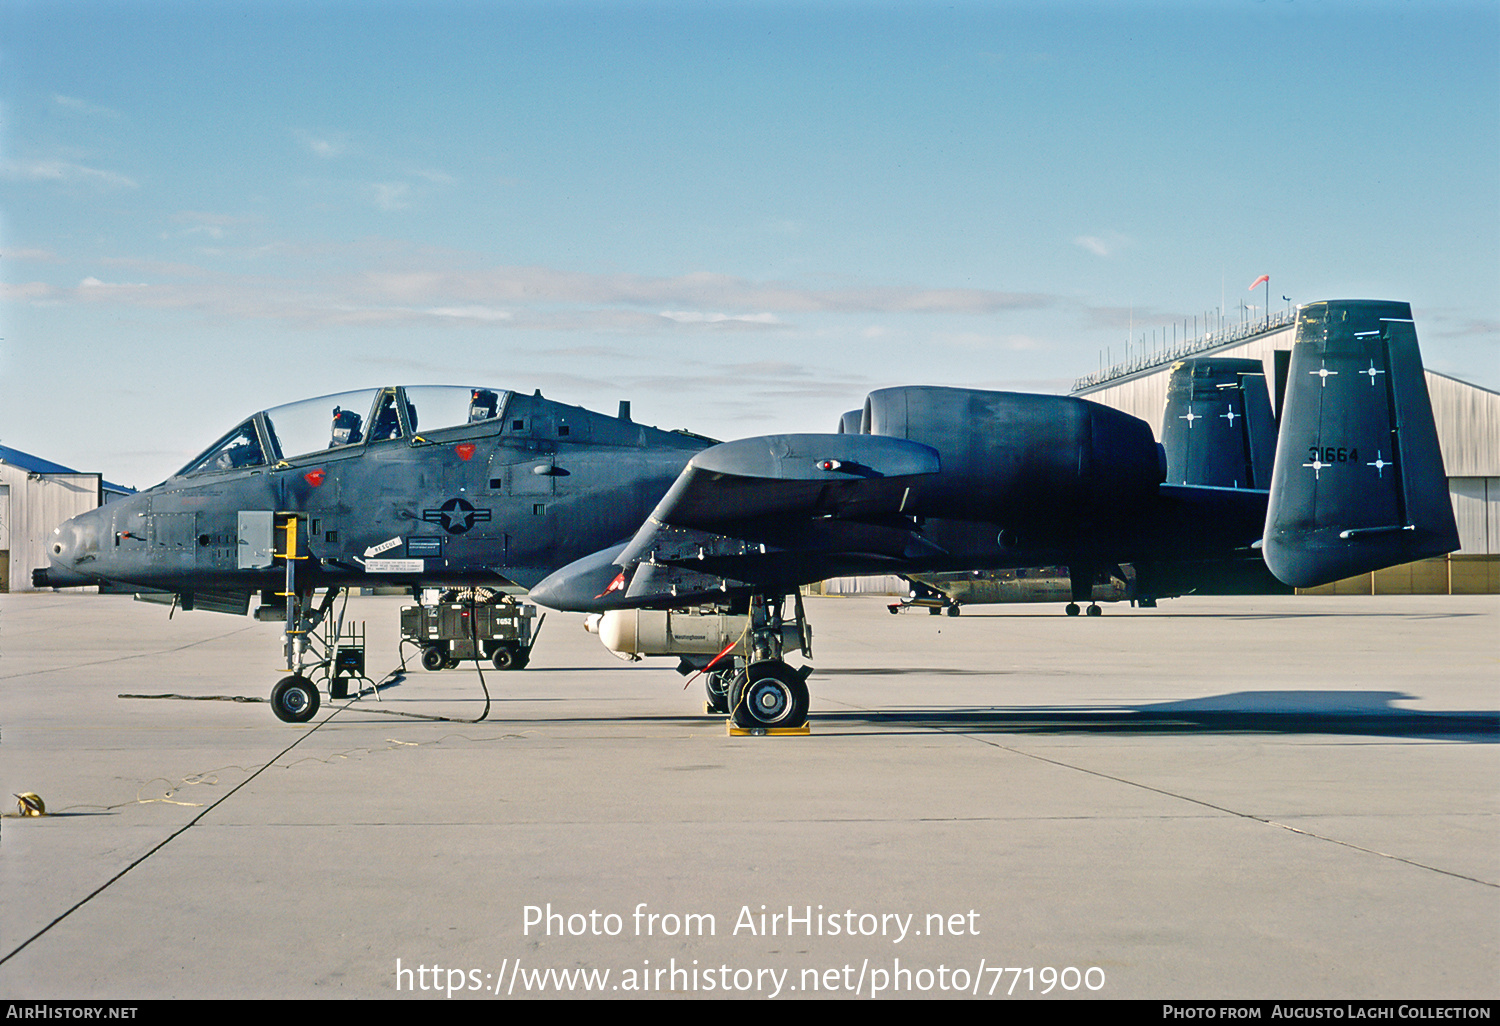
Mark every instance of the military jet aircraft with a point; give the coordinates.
(684, 547)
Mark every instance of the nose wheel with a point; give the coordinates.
(294, 699)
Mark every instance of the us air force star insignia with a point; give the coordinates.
(456, 515)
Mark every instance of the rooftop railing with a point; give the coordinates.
(1192, 347)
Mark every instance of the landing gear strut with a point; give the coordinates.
(309, 651)
(765, 692)
(1081, 580)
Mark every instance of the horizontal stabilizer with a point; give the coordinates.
(1358, 482)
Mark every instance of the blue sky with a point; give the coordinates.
(741, 217)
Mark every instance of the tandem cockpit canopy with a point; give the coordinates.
(346, 420)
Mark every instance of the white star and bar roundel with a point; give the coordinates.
(456, 515)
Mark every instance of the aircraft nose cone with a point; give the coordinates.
(73, 553)
(64, 546)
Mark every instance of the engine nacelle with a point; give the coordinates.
(1015, 455)
(659, 632)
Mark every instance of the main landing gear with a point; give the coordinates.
(1081, 580)
(761, 691)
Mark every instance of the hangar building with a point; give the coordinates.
(35, 496)
(1468, 427)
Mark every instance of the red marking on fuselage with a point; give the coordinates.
(615, 585)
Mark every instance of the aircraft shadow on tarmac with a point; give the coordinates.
(1361, 713)
(1347, 713)
(1168, 614)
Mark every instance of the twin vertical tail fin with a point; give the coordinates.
(1358, 482)
(1218, 429)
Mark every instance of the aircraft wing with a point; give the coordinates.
(771, 509)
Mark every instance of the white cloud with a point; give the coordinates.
(693, 317)
(974, 340)
(68, 173)
(40, 256)
(422, 286)
(76, 106)
(471, 313)
(391, 195)
(1105, 245)
(94, 283)
(326, 147)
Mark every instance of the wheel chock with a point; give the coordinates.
(734, 731)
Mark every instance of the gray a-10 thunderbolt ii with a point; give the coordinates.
(688, 548)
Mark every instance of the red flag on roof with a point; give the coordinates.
(1254, 284)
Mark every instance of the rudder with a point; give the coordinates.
(1358, 482)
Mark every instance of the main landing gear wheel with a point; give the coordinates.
(770, 694)
(294, 699)
(434, 658)
(717, 683)
(1094, 611)
(1071, 609)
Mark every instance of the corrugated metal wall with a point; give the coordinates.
(1468, 426)
(38, 503)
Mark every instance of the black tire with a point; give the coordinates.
(294, 699)
(770, 694)
(434, 658)
(1094, 611)
(953, 609)
(1071, 609)
(505, 658)
(717, 683)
